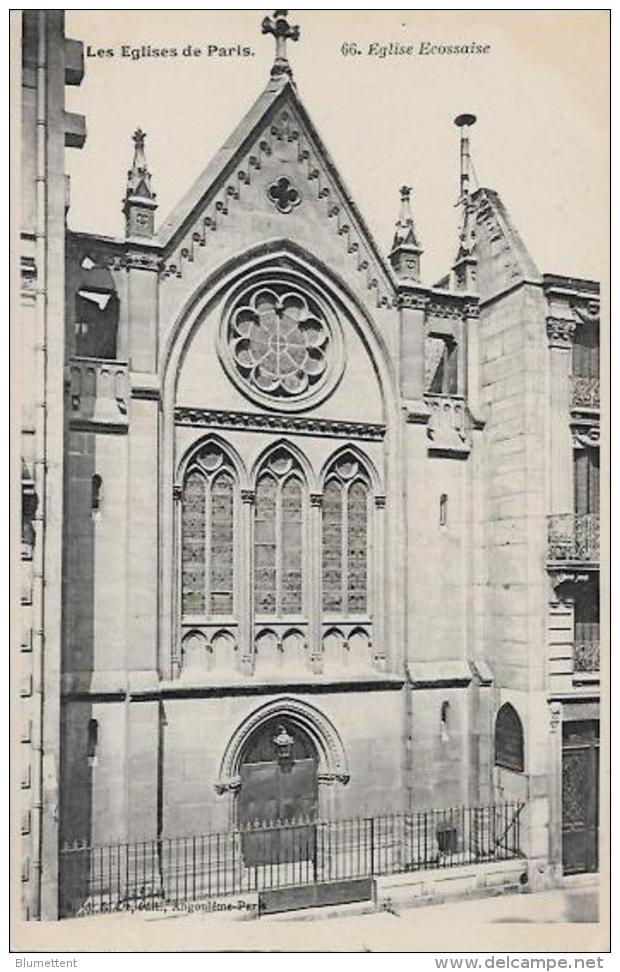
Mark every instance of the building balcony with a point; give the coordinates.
(573, 538)
(449, 425)
(585, 392)
(98, 392)
(586, 657)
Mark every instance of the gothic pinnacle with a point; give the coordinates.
(406, 250)
(139, 204)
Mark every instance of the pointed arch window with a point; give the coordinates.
(278, 537)
(345, 537)
(207, 534)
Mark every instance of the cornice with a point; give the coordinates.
(292, 424)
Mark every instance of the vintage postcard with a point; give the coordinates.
(310, 367)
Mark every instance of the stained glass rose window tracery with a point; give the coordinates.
(279, 341)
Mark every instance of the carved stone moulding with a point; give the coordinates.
(330, 750)
(412, 300)
(588, 311)
(560, 332)
(304, 425)
(586, 436)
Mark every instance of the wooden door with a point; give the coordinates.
(274, 794)
(580, 797)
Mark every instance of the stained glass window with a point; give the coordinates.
(265, 546)
(221, 547)
(345, 539)
(357, 545)
(207, 535)
(332, 547)
(291, 547)
(278, 538)
(193, 543)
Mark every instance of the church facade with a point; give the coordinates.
(311, 501)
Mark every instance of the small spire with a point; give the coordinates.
(279, 26)
(139, 204)
(465, 264)
(406, 250)
(405, 229)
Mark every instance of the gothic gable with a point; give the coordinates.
(273, 179)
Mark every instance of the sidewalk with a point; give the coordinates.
(563, 919)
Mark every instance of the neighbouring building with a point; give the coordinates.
(49, 61)
(311, 504)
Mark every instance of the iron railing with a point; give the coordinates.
(574, 537)
(175, 871)
(587, 656)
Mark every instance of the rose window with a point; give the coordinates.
(279, 343)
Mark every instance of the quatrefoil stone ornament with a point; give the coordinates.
(284, 194)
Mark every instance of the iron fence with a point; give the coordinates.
(175, 871)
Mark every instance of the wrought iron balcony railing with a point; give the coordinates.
(587, 656)
(573, 538)
(585, 392)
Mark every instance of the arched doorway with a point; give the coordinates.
(278, 793)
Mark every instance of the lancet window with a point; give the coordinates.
(207, 534)
(345, 538)
(278, 537)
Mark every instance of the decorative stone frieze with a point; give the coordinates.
(286, 129)
(412, 301)
(560, 331)
(299, 424)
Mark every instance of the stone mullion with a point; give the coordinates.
(344, 544)
(278, 550)
(207, 548)
(245, 585)
(177, 596)
(375, 580)
(315, 561)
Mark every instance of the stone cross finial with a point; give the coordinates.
(139, 160)
(279, 26)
